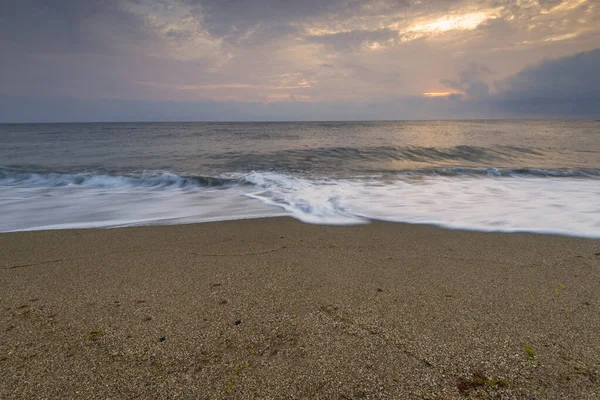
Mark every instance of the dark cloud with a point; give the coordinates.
(572, 77)
(470, 81)
(477, 89)
(70, 26)
(564, 86)
(234, 18)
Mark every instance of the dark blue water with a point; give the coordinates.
(541, 176)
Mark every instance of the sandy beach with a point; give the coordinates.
(274, 308)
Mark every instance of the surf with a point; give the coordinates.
(559, 201)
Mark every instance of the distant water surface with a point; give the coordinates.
(538, 176)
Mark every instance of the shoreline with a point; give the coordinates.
(368, 221)
(273, 307)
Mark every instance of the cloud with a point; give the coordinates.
(261, 21)
(563, 87)
(334, 52)
(568, 87)
(470, 81)
(222, 17)
(63, 109)
(576, 77)
(356, 39)
(69, 26)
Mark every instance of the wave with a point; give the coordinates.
(505, 172)
(523, 204)
(311, 158)
(19, 176)
(547, 201)
(99, 179)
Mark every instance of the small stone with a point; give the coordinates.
(162, 339)
(238, 322)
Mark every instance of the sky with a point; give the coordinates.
(236, 60)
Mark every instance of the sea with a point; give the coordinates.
(483, 175)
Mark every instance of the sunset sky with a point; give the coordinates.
(70, 60)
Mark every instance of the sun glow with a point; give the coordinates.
(458, 22)
(438, 94)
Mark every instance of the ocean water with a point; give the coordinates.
(509, 176)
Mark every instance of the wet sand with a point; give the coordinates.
(273, 308)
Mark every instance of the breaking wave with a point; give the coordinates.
(14, 176)
(524, 203)
(98, 179)
(487, 199)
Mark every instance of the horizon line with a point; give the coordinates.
(562, 118)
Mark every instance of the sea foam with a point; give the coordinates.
(558, 205)
(545, 201)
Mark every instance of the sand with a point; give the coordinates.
(273, 308)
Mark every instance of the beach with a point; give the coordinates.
(274, 308)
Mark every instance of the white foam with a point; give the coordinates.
(569, 206)
(95, 179)
(70, 208)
